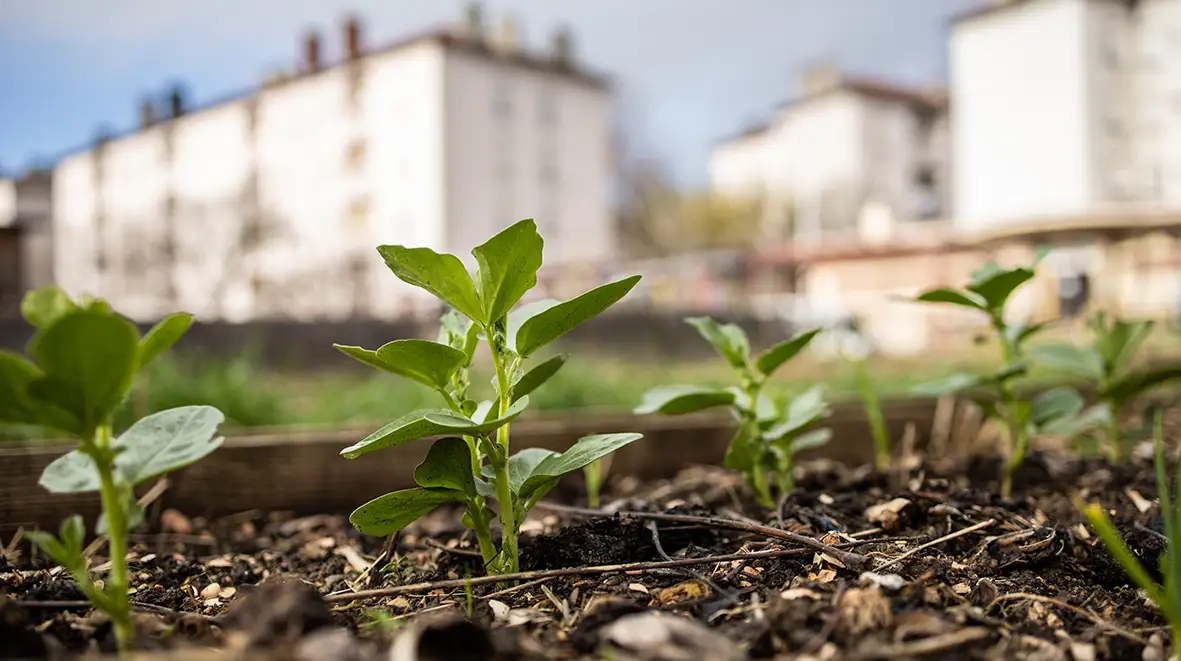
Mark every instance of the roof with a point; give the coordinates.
(990, 7)
(449, 38)
(921, 99)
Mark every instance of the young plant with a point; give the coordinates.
(593, 474)
(1168, 599)
(472, 464)
(873, 412)
(1107, 367)
(1056, 412)
(83, 358)
(769, 435)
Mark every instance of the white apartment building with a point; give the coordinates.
(1065, 108)
(846, 145)
(271, 204)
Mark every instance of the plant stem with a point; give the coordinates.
(504, 496)
(873, 411)
(1115, 448)
(114, 507)
(478, 512)
(1018, 439)
(750, 421)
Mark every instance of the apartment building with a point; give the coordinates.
(1065, 108)
(848, 143)
(26, 241)
(270, 204)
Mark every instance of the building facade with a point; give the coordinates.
(26, 240)
(271, 204)
(1065, 108)
(845, 143)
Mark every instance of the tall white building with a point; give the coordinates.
(271, 204)
(846, 143)
(1065, 108)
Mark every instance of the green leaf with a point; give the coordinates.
(440, 274)
(448, 465)
(809, 440)
(952, 297)
(784, 351)
(157, 444)
(1091, 418)
(729, 340)
(1018, 332)
(996, 289)
(42, 307)
(386, 515)
(1055, 403)
(1115, 545)
(522, 313)
(534, 378)
(586, 450)
(548, 325)
(16, 374)
(163, 335)
(804, 409)
(51, 547)
(522, 464)
(429, 363)
(953, 383)
(89, 359)
(508, 267)
(1118, 342)
(740, 453)
(1081, 361)
(678, 400)
(1139, 382)
(426, 423)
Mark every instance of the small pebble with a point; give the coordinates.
(211, 591)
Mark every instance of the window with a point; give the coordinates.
(502, 99)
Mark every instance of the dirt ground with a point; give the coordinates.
(930, 564)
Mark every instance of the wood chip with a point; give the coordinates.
(636, 587)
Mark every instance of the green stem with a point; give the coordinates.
(1115, 448)
(750, 423)
(479, 514)
(1018, 438)
(504, 496)
(114, 505)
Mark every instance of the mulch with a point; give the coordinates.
(925, 564)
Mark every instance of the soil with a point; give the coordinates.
(974, 577)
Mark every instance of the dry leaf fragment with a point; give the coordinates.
(636, 587)
(888, 514)
(682, 592)
(864, 609)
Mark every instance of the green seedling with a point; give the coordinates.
(82, 361)
(1167, 598)
(1107, 367)
(873, 413)
(1058, 412)
(769, 434)
(471, 464)
(593, 474)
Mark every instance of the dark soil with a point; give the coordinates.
(1028, 582)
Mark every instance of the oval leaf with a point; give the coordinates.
(545, 327)
(508, 267)
(1069, 358)
(73, 472)
(729, 340)
(89, 359)
(740, 454)
(386, 515)
(427, 423)
(430, 363)
(448, 465)
(947, 385)
(996, 289)
(804, 409)
(519, 315)
(41, 307)
(440, 274)
(779, 354)
(586, 450)
(534, 378)
(952, 297)
(163, 335)
(678, 400)
(522, 465)
(811, 440)
(165, 441)
(16, 374)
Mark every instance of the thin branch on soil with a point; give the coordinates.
(926, 646)
(945, 538)
(1025, 596)
(854, 561)
(140, 606)
(728, 595)
(634, 567)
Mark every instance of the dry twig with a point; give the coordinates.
(933, 542)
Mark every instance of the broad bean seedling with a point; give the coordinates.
(81, 363)
(471, 463)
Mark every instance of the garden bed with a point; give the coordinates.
(968, 575)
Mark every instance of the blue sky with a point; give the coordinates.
(687, 71)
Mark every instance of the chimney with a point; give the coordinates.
(147, 114)
(474, 26)
(311, 52)
(176, 102)
(563, 47)
(508, 35)
(820, 78)
(352, 38)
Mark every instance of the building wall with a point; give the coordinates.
(1156, 81)
(527, 144)
(1020, 141)
(273, 205)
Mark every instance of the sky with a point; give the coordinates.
(687, 72)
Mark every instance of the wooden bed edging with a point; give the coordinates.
(300, 470)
